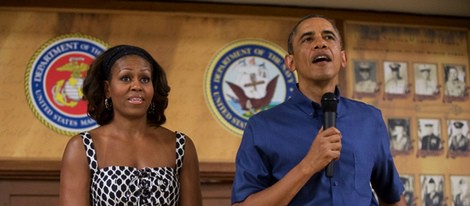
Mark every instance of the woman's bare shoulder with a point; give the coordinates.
(164, 132)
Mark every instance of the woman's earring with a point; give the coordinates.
(107, 104)
(151, 109)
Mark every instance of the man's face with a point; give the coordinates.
(425, 74)
(453, 74)
(317, 53)
(365, 74)
(428, 129)
(432, 187)
(399, 129)
(463, 187)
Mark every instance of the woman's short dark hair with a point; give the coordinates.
(100, 72)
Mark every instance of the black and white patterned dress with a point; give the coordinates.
(122, 185)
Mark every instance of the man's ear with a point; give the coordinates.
(344, 59)
(289, 62)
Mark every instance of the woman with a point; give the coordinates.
(130, 159)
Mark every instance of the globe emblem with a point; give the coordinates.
(68, 92)
(53, 80)
(73, 89)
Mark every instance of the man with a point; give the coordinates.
(425, 85)
(408, 194)
(396, 84)
(459, 142)
(454, 87)
(399, 139)
(462, 198)
(366, 84)
(284, 150)
(430, 141)
(433, 197)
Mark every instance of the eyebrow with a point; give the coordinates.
(330, 32)
(145, 69)
(306, 34)
(309, 33)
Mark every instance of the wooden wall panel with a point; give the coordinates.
(37, 183)
(183, 44)
(29, 192)
(183, 37)
(46, 193)
(216, 193)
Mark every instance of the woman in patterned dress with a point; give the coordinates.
(130, 159)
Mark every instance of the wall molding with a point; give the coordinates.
(210, 172)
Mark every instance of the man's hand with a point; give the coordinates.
(325, 148)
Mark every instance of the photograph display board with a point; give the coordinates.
(418, 77)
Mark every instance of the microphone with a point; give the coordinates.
(329, 102)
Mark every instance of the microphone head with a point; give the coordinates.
(329, 102)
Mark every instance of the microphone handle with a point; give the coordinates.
(329, 121)
(330, 169)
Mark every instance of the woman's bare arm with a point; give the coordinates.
(190, 191)
(75, 175)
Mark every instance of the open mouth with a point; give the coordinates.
(321, 58)
(136, 100)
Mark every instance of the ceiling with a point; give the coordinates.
(456, 8)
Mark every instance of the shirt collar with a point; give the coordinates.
(308, 106)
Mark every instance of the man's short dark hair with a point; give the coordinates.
(290, 47)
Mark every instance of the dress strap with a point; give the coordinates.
(90, 152)
(180, 141)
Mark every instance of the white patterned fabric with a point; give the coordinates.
(123, 185)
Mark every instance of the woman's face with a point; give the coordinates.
(130, 86)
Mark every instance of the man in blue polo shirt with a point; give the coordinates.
(284, 150)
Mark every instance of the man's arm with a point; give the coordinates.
(325, 148)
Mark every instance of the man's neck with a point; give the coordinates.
(315, 91)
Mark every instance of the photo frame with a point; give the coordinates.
(409, 193)
(460, 190)
(458, 134)
(365, 78)
(432, 190)
(396, 82)
(430, 137)
(399, 134)
(426, 84)
(455, 85)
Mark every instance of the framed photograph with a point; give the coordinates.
(396, 78)
(365, 75)
(432, 190)
(459, 137)
(455, 81)
(425, 80)
(430, 138)
(409, 193)
(399, 133)
(460, 191)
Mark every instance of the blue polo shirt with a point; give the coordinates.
(276, 140)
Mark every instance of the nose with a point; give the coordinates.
(136, 86)
(319, 43)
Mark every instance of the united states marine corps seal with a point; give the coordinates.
(245, 77)
(54, 78)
